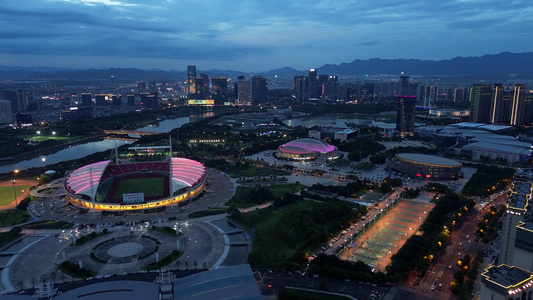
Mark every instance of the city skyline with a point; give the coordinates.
(254, 36)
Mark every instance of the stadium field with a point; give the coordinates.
(151, 187)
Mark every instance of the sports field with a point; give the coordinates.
(7, 195)
(376, 246)
(151, 187)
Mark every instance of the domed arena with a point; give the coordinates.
(307, 149)
(106, 186)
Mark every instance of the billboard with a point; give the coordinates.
(132, 198)
(208, 102)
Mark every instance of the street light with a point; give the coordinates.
(44, 164)
(14, 187)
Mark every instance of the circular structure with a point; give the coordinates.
(135, 186)
(307, 149)
(424, 166)
(125, 249)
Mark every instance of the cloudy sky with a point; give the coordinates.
(255, 35)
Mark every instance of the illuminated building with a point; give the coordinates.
(95, 186)
(405, 110)
(191, 81)
(307, 149)
(505, 282)
(480, 103)
(313, 85)
(424, 166)
(203, 89)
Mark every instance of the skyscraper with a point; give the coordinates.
(245, 92)
(480, 103)
(519, 107)
(259, 90)
(6, 116)
(405, 112)
(220, 90)
(86, 99)
(301, 88)
(191, 81)
(19, 102)
(313, 85)
(205, 86)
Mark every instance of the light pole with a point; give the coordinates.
(13, 181)
(44, 163)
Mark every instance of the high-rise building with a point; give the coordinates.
(259, 90)
(301, 88)
(331, 88)
(19, 102)
(220, 90)
(460, 95)
(152, 87)
(99, 100)
(480, 103)
(6, 116)
(244, 92)
(191, 81)
(116, 100)
(205, 86)
(519, 107)
(313, 85)
(512, 278)
(141, 87)
(405, 112)
(131, 100)
(86, 99)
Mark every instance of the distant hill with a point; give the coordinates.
(503, 64)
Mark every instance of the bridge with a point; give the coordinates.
(127, 132)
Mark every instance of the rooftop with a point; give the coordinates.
(507, 277)
(429, 159)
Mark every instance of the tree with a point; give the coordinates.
(205, 265)
(195, 263)
(178, 263)
(53, 277)
(187, 265)
(33, 281)
(44, 278)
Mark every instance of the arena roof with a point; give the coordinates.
(130, 290)
(85, 180)
(429, 159)
(307, 145)
(186, 172)
(235, 282)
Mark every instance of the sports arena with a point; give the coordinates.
(424, 166)
(307, 149)
(135, 186)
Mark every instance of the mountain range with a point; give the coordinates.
(504, 64)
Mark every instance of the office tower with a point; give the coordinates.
(480, 103)
(519, 106)
(330, 88)
(245, 92)
(428, 95)
(220, 90)
(459, 95)
(152, 87)
(405, 112)
(205, 86)
(322, 81)
(313, 85)
(131, 100)
(199, 89)
(236, 86)
(259, 90)
(500, 106)
(86, 99)
(191, 81)
(301, 88)
(6, 116)
(141, 87)
(99, 100)
(18, 101)
(116, 100)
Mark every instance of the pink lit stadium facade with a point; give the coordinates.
(98, 186)
(307, 149)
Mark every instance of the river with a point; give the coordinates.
(84, 149)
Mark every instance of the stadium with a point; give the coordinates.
(307, 149)
(106, 186)
(424, 166)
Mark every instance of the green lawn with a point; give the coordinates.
(13, 216)
(151, 187)
(7, 195)
(244, 196)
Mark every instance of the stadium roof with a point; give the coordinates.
(186, 172)
(307, 145)
(85, 180)
(130, 290)
(429, 159)
(235, 282)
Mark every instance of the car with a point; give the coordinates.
(450, 266)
